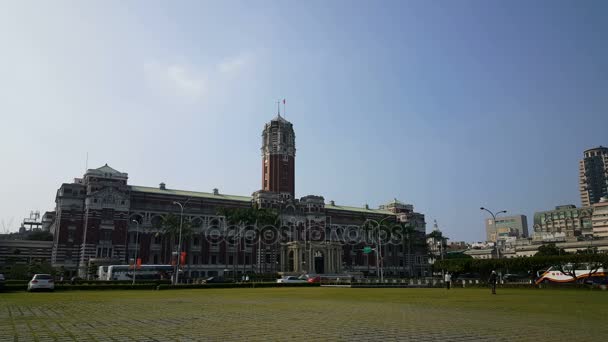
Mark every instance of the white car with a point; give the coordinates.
(41, 282)
(291, 279)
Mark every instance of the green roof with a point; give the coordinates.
(359, 210)
(185, 193)
(158, 191)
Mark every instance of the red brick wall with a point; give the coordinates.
(281, 174)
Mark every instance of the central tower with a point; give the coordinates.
(278, 157)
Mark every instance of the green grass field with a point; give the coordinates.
(304, 314)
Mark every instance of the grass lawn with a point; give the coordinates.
(304, 314)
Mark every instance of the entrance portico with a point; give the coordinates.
(311, 257)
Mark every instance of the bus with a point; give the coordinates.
(125, 272)
(102, 273)
(554, 275)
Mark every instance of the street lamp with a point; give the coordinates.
(495, 227)
(379, 249)
(136, 248)
(179, 247)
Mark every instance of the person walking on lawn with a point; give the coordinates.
(492, 281)
(448, 280)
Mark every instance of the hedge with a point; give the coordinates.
(118, 282)
(94, 282)
(234, 285)
(519, 264)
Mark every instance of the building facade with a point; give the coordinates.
(505, 227)
(98, 217)
(600, 219)
(24, 251)
(566, 220)
(593, 175)
(529, 247)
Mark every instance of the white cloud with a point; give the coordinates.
(233, 65)
(177, 78)
(189, 82)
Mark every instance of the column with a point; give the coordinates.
(283, 260)
(338, 260)
(330, 261)
(338, 251)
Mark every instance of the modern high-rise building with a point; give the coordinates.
(593, 175)
(506, 226)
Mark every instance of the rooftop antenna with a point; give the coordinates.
(86, 163)
(284, 111)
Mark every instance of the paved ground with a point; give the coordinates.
(304, 314)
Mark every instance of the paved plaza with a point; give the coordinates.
(304, 314)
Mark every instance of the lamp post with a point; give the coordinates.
(379, 249)
(179, 247)
(495, 227)
(136, 249)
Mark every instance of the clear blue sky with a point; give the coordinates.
(448, 105)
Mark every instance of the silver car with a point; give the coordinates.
(291, 279)
(41, 282)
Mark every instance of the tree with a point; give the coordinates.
(585, 261)
(549, 250)
(567, 264)
(92, 271)
(40, 235)
(457, 255)
(408, 235)
(170, 229)
(437, 238)
(241, 218)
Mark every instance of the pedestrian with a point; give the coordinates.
(448, 280)
(492, 281)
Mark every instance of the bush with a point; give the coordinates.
(13, 287)
(16, 282)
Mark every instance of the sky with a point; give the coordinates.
(447, 105)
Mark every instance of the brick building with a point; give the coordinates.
(96, 219)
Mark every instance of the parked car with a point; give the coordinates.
(515, 277)
(1, 281)
(291, 279)
(467, 276)
(216, 280)
(41, 282)
(314, 279)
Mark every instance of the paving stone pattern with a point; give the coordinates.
(268, 315)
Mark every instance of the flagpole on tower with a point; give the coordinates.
(284, 110)
(279, 107)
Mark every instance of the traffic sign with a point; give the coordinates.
(367, 250)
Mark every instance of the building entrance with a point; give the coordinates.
(319, 262)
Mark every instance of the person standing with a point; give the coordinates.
(492, 281)
(448, 280)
